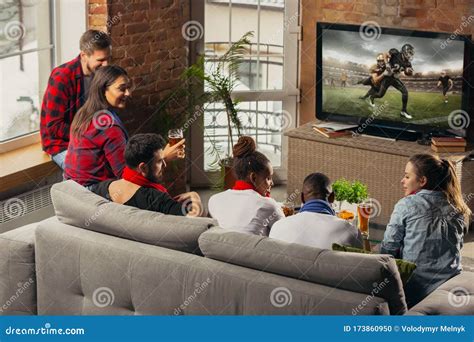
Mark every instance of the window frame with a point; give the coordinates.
(34, 137)
(289, 95)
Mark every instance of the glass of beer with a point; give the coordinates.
(175, 135)
(364, 210)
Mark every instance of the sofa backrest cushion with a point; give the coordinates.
(375, 275)
(81, 272)
(77, 206)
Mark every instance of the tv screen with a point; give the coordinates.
(401, 78)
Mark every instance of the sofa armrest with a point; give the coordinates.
(454, 297)
(17, 270)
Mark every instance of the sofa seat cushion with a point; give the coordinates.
(375, 275)
(77, 206)
(454, 297)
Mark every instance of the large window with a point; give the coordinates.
(267, 78)
(26, 53)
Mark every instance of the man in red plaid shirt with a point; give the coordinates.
(67, 91)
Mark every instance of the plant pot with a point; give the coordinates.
(344, 205)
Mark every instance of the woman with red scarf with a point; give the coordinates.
(140, 184)
(247, 207)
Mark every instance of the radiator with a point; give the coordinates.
(26, 208)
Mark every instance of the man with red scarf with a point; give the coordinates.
(140, 184)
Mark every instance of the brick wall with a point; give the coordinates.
(428, 15)
(147, 41)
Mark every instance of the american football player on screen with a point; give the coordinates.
(376, 75)
(397, 62)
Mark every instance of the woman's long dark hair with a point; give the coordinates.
(103, 78)
(441, 176)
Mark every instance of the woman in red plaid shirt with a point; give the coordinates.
(98, 136)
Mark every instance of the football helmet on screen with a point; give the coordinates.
(408, 51)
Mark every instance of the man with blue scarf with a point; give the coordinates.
(316, 224)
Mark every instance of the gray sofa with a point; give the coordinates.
(101, 258)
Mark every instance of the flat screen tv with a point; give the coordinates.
(390, 81)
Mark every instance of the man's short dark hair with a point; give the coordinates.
(316, 185)
(141, 148)
(93, 40)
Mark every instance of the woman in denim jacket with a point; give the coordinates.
(427, 225)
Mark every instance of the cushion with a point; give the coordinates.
(405, 268)
(77, 206)
(376, 275)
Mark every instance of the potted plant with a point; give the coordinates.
(219, 83)
(352, 193)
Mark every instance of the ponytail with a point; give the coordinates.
(453, 190)
(441, 176)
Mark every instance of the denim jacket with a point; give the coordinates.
(425, 229)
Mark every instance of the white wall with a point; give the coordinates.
(71, 24)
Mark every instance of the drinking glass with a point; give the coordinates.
(175, 135)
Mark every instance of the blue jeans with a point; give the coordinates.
(59, 158)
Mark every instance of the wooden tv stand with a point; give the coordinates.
(377, 162)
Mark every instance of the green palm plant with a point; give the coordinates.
(221, 81)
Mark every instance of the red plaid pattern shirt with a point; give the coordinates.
(98, 154)
(62, 99)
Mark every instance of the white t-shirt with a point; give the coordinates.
(245, 211)
(316, 230)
